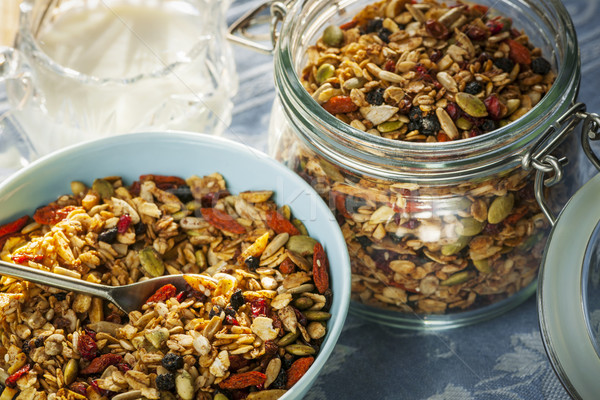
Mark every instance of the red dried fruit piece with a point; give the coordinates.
(259, 307)
(340, 105)
(78, 387)
(243, 380)
(519, 53)
(476, 33)
(494, 26)
(453, 110)
(479, 9)
(21, 258)
(287, 266)
(297, 370)
(390, 65)
(320, 268)
(51, 214)
(496, 110)
(99, 364)
(123, 367)
(160, 179)
(340, 203)
(231, 320)
(349, 25)
(279, 224)
(236, 362)
(162, 294)
(14, 226)
(442, 137)
(11, 381)
(87, 347)
(437, 29)
(124, 222)
(221, 220)
(134, 190)
(516, 216)
(211, 198)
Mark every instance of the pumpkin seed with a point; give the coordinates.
(325, 72)
(300, 226)
(300, 350)
(468, 227)
(301, 244)
(317, 315)
(78, 188)
(289, 338)
(70, 371)
(453, 248)
(184, 385)
(456, 279)
(221, 396)
(151, 262)
(272, 394)
(331, 171)
(483, 266)
(389, 126)
(471, 104)
(500, 208)
(333, 36)
(464, 124)
(303, 303)
(104, 188)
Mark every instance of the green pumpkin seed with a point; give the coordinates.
(184, 385)
(389, 126)
(78, 188)
(333, 36)
(104, 188)
(70, 371)
(303, 303)
(469, 227)
(193, 205)
(286, 211)
(456, 279)
(500, 208)
(289, 338)
(317, 315)
(301, 244)
(220, 396)
(157, 337)
(300, 226)
(151, 262)
(470, 104)
(272, 394)
(483, 266)
(200, 259)
(331, 171)
(453, 248)
(300, 350)
(325, 72)
(464, 124)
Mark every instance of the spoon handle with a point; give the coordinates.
(54, 280)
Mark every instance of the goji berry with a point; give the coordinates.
(162, 294)
(11, 381)
(99, 364)
(14, 226)
(297, 370)
(340, 105)
(516, 216)
(222, 220)
(519, 53)
(21, 258)
(340, 203)
(442, 137)
(279, 224)
(124, 222)
(51, 214)
(243, 380)
(87, 347)
(349, 25)
(287, 266)
(320, 267)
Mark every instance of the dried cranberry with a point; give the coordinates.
(389, 65)
(258, 307)
(300, 317)
(114, 318)
(123, 367)
(11, 381)
(123, 224)
(476, 33)
(494, 26)
(495, 108)
(453, 110)
(436, 56)
(404, 105)
(231, 320)
(492, 229)
(411, 224)
(436, 29)
(78, 387)
(210, 199)
(87, 347)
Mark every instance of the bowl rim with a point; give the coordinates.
(11, 185)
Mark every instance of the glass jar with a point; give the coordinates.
(439, 234)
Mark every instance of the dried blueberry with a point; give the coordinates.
(363, 240)
(415, 114)
(540, 66)
(60, 296)
(109, 235)
(165, 382)
(488, 125)
(412, 126)
(237, 300)
(26, 347)
(505, 64)
(215, 310)
(172, 362)
(281, 380)
(229, 311)
(374, 25)
(384, 34)
(252, 262)
(473, 87)
(140, 228)
(183, 193)
(39, 341)
(430, 125)
(375, 96)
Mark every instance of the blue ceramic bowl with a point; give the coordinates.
(184, 154)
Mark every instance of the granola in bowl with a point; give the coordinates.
(253, 333)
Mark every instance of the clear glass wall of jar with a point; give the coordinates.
(440, 234)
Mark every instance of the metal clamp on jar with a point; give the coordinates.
(439, 234)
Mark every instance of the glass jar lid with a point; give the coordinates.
(569, 294)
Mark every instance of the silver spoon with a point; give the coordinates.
(128, 297)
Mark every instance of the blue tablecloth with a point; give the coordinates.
(500, 359)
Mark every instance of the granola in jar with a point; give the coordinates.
(422, 72)
(253, 329)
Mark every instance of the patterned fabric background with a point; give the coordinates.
(500, 359)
